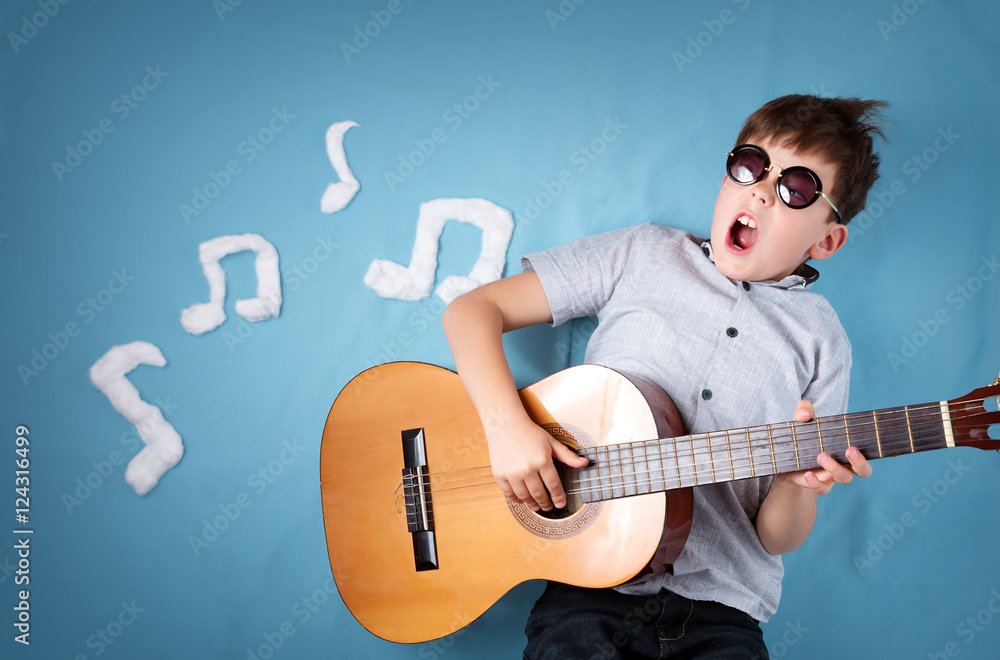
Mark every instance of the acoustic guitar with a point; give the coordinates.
(422, 541)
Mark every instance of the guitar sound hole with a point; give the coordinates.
(574, 502)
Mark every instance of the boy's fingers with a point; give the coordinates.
(837, 472)
(539, 495)
(567, 455)
(804, 411)
(861, 466)
(550, 476)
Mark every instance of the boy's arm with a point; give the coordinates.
(788, 513)
(520, 451)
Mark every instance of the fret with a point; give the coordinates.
(694, 464)
(729, 447)
(657, 465)
(643, 477)
(770, 440)
(795, 443)
(878, 439)
(909, 429)
(819, 432)
(847, 430)
(753, 472)
(711, 462)
(677, 460)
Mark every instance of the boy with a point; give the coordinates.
(716, 323)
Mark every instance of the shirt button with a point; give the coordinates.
(705, 250)
(746, 286)
(732, 332)
(706, 394)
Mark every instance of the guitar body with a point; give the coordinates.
(482, 545)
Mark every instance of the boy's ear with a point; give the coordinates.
(833, 239)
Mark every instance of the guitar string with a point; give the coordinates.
(634, 486)
(810, 435)
(836, 419)
(688, 470)
(833, 419)
(620, 456)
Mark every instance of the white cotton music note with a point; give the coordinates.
(202, 317)
(163, 448)
(414, 282)
(339, 195)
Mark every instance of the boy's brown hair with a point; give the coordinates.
(838, 130)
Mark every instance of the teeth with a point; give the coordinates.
(744, 220)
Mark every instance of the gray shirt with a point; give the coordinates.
(729, 353)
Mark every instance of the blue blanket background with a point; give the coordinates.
(104, 243)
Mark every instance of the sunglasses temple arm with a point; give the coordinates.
(835, 209)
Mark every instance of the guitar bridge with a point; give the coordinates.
(417, 500)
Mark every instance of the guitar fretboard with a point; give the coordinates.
(663, 464)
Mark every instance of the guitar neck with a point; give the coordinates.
(663, 464)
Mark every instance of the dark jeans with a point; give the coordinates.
(570, 623)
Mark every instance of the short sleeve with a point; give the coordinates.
(829, 389)
(579, 277)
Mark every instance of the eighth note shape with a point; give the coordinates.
(163, 448)
(339, 195)
(391, 280)
(202, 317)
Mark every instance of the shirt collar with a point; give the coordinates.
(803, 276)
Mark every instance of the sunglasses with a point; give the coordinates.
(797, 187)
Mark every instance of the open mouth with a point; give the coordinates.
(743, 233)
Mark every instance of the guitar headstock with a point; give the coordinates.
(973, 414)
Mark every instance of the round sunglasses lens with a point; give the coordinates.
(746, 165)
(797, 189)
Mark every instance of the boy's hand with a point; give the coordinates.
(521, 459)
(820, 480)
